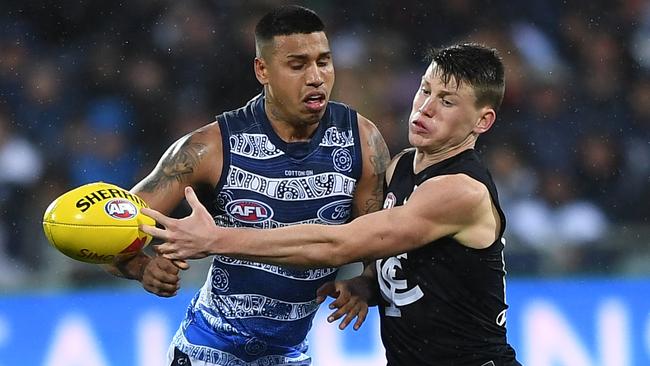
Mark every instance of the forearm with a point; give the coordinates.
(301, 245)
(131, 268)
(367, 238)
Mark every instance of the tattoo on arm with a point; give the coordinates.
(379, 158)
(177, 165)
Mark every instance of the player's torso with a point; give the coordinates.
(443, 299)
(267, 183)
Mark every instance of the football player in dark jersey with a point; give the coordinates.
(439, 272)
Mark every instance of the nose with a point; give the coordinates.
(313, 76)
(428, 107)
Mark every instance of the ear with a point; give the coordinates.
(261, 71)
(486, 119)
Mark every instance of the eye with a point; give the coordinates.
(425, 91)
(323, 63)
(446, 102)
(295, 66)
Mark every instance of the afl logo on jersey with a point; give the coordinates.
(120, 209)
(335, 213)
(249, 211)
(390, 200)
(342, 160)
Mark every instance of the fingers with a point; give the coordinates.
(361, 317)
(154, 231)
(166, 271)
(161, 277)
(327, 289)
(349, 304)
(352, 309)
(190, 197)
(181, 264)
(159, 217)
(168, 251)
(162, 289)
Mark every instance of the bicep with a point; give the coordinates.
(191, 160)
(436, 209)
(368, 196)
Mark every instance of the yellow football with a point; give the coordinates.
(96, 223)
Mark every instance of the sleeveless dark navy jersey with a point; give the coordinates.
(250, 313)
(444, 303)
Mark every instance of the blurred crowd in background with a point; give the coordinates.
(97, 90)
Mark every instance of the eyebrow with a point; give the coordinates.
(303, 56)
(442, 93)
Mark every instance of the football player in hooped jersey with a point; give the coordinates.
(289, 156)
(438, 244)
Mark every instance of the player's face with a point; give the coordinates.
(444, 116)
(298, 74)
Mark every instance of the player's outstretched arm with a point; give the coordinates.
(453, 205)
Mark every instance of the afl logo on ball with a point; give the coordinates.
(120, 209)
(249, 211)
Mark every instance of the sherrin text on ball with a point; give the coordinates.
(96, 223)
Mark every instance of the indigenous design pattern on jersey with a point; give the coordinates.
(250, 313)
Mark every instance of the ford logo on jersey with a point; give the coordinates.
(336, 212)
(249, 211)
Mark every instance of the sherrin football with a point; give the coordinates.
(96, 223)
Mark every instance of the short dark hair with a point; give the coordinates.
(479, 66)
(287, 20)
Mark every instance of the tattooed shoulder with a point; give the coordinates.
(177, 165)
(380, 156)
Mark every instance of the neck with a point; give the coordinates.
(425, 158)
(287, 130)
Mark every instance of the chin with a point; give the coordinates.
(417, 140)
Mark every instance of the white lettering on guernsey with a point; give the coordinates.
(298, 173)
(392, 287)
(218, 357)
(255, 146)
(334, 137)
(307, 275)
(291, 189)
(258, 306)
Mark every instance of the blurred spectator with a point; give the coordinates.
(559, 223)
(637, 154)
(103, 150)
(548, 129)
(20, 168)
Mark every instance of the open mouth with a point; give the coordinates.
(315, 101)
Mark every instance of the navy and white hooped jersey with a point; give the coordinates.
(250, 313)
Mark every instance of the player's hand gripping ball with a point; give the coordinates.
(96, 223)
